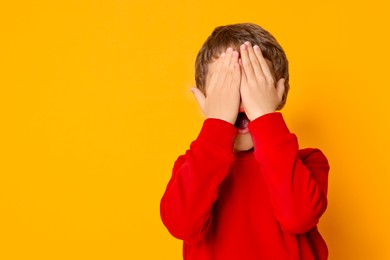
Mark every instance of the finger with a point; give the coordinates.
(234, 62)
(243, 75)
(200, 98)
(246, 63)
(215, 76)
(263, 63)
(220, 60)
(254, 60)
(235, 59)
(225, 75)
(228, 58)
(236, 78)
(280, 88)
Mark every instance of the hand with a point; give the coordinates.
(258, 93)
(222, 98)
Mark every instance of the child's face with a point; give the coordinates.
(243, 141)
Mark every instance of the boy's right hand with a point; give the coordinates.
(222, 98)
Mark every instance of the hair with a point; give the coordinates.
(234, 35)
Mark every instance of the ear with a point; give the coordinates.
(280, 88)
(200, 98)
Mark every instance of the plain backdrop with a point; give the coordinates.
(95, 107)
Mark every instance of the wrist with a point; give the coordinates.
(254, 115)
(223, 118)
(218, 132)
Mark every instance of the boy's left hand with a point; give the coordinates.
(258, 93)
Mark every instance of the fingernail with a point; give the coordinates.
(229, 50)
(243, 46)
(256, 47)
(223, 54)
(248, 43)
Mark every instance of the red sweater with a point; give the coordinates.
(264, 203)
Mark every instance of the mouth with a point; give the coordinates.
(242, 123)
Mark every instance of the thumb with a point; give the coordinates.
(280, 88)
(199, 96)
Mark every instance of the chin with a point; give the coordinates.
(243, 142)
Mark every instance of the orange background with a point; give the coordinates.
(95, 107)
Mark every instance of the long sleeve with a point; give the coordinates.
(296, 180)
(186, 205)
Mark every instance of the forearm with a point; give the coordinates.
(297, 186)
(187, 202)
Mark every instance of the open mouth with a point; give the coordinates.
(242, 122)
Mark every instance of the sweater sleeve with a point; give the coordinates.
(186, 205)
(297, 180)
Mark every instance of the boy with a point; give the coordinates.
(244, 190)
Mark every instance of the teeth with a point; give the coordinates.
(245, 123)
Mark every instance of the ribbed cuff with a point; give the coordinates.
(218, 132)
(267, 127)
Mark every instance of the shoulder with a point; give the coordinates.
(312, 155)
